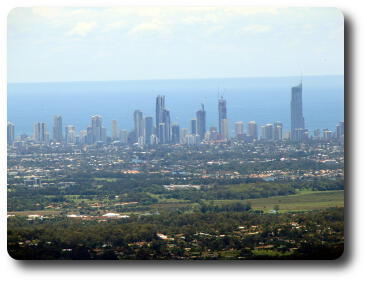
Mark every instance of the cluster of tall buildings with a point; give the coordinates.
(146, 131)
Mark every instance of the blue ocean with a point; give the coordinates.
(264, 100)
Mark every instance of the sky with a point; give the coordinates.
(140, 43)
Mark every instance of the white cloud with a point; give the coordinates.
(256, 28)
(82, 28)
(115, 26)
(153, 26)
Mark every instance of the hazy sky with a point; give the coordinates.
(82, 44)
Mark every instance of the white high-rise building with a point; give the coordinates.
(239, 129)
(225, 130)
(115, 130)
(252, 130)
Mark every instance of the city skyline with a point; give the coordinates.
(166, 132)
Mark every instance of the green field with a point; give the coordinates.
(303, 200)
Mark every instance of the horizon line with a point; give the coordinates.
(172, 79)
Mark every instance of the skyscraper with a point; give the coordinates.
(162, 117)
(278, 131)
(327, 134)
(40, 132)
(70, 134)
(340, 130)
(267, 132)
(159, 112)
(252, 130)
(124, 136)
(193, 126)
(201, 124)
(183, 134)
(167, 126)
(239, 129)
(222, 114)
(57, 129)
(297, 120)
(115, 130)
(175, 134)
(161, 133)
(10, 133)
(224, 126)
(148, 129)
(97, 128)
(138, 124)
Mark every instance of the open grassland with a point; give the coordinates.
(304, 200)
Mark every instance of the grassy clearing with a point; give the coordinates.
(310, 200)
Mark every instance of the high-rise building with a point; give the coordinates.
(159, 112)
(115, 130)
(300, 134)
(252, 130)
(193, 126)
(161, 133)
(175, 134)
(225, 131)
(213, 134)
(278, 131)
(162, 117)
(57, 129)
(97, 128)
(83, 136)
(201, 123)
(297, 120)
(124, 136)
(340, 130)
(70, 134)
(89, 138)
(183, 134)
(10, 133)
(138, 124)
(148, 129)
(267, 132)
(222, 114)
(239, 129)
(167, 126)
(40, 133)
(327, 134)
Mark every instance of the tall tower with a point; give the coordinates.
(138, 124)
(222, 114)
(225, 132)
(193, 126)
(239, 129)
(278, 130)
(70, 134)
(148, 129)
(40, 132)
(252, 130)
(10, 133)
(57, 129)
(297, 120)
(159, 113)
(175, 134)
(97, 128)
(201, 126)
(167, 126)
(115, 130)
